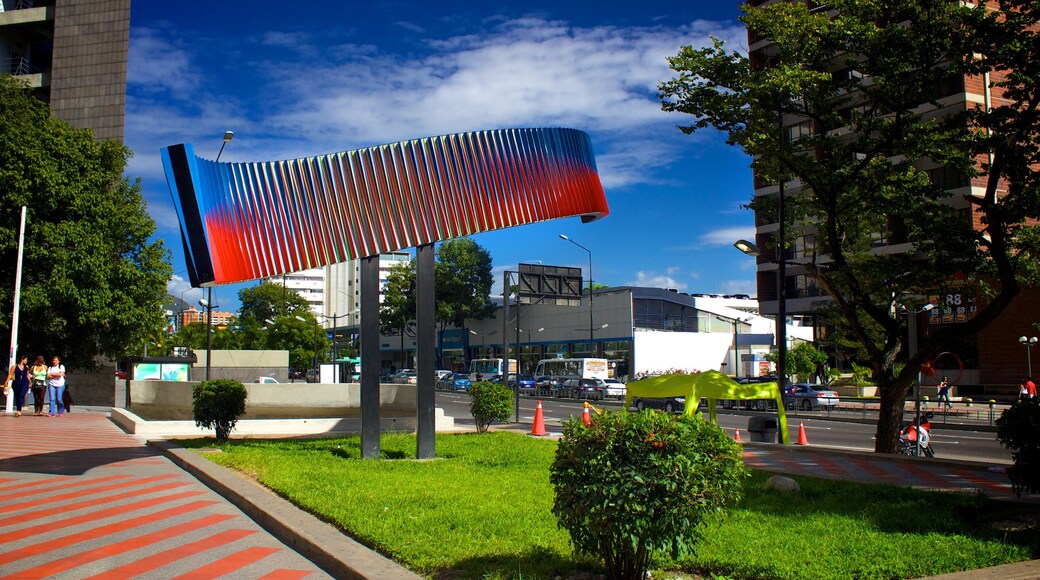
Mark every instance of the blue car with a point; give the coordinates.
(460, 382)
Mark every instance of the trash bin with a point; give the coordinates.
(762, 428)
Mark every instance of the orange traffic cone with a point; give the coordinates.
(539, 422)
(585, 416)
(802, 439)
(736, 437)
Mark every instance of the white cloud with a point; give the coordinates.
(156, 64)
(748, 287)
(655, 280)
(726, 236)
(180, 287)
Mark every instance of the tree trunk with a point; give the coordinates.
(890, 417)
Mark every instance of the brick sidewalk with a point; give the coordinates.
(870, 468)
(82, 499)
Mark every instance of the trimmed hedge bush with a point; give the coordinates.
(634, 483)
(490, 402)
(218, 404)
(1018, 429)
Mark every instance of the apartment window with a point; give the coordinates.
(802, 286)
(804, 246)
(799, 130)
(948, 178)
(948, 86)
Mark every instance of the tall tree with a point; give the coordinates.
(268, 320)
(858, 86)
(463, 280)
(93, 280)
(463, 273)
(397, 311)
(268, 300)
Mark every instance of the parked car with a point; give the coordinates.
(583, 389)
(526, 383)
(614, 388)
(753, 404)
(809, 396)
(547, 386)
(666, 404)
(455, 382)
(313, 376)
(407, 377)
(442, 374)
(267, 380)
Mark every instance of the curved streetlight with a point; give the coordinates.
(1029, 343)
(752, 249)
(592, 327)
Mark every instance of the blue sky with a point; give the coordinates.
(294, 80)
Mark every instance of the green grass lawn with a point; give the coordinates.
(483, 510)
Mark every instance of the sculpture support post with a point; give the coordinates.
(425, 306)
(370, 357)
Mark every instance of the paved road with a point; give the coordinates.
(82, 499)
(852, 429)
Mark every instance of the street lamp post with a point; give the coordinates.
(228, 136)
(209, 306)
(1029, 343)
(912, 347)
(781, 295)
(592, 326)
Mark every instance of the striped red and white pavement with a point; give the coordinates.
(883, 469)
(79, 498)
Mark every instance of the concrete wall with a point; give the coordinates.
(161, 400)
(242, 365)
(92, 388)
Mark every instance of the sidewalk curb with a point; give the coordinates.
(329, 548)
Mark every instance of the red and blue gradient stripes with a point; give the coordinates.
(243, 221)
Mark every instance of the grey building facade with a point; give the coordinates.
(73, 54)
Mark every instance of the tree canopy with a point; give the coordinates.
(463, 280)
(876, 134)
(93, 279)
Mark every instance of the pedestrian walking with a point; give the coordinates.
(1030, 388)
(944, 392)
(18, 381)
(38, 376)
(56, 387)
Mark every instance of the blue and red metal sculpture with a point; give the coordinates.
(243, 221)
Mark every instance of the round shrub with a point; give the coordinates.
(1018, 429)
(634, 483)
(218, 404)
(490, 402)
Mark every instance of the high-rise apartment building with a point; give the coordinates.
(333, 293)
(73, 54)
(991, 357)
(343, 287)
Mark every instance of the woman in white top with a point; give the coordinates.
(56, 386)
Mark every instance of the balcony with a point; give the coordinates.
(26, 70)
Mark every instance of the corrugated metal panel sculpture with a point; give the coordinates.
(243, 221)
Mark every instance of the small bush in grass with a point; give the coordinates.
(218, 404)
(1018, 429)
(490, 402)
(634, 483)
